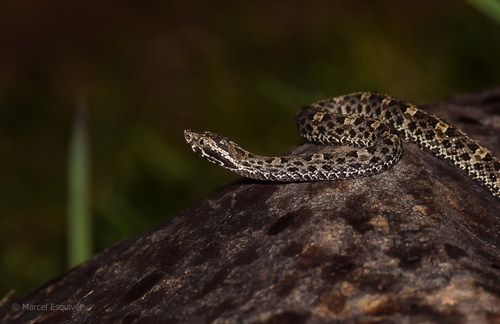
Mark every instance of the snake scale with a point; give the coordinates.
(372, 125)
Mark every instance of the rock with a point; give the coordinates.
(419, 243)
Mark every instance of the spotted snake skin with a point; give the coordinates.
(372, 125)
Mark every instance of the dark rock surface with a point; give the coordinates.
(417, 244)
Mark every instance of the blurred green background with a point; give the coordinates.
(146, 70)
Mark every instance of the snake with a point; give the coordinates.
(371, 127)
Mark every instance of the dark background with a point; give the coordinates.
(149, 69)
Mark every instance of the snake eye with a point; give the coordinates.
(202, 142)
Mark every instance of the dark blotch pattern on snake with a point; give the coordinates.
(372, 124)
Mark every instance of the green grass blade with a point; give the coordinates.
(79, 220)
(490, 8)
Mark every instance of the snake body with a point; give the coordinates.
(372, 124)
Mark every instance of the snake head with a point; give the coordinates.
(215, 148)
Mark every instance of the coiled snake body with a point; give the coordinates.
(373, 124)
